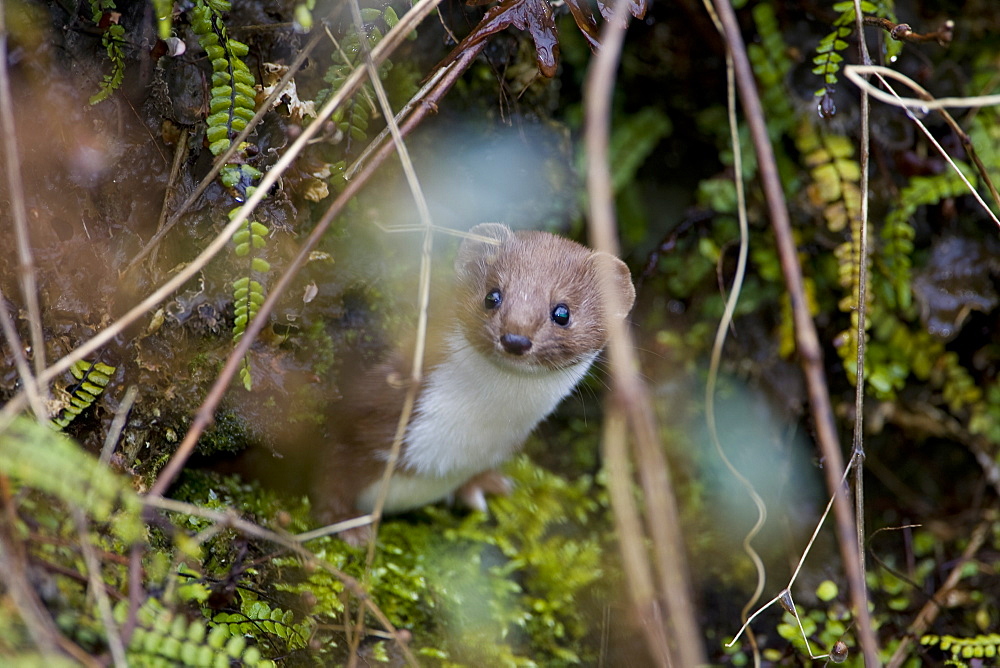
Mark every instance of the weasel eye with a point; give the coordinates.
(560, 315)
(493, 299)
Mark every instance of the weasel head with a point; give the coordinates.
(533, 301)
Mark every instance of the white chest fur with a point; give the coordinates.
(471, 416)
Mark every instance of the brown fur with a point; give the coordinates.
(536, 271)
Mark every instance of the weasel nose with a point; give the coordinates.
(515, 344)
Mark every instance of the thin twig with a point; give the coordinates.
(180, 152)
(856, 75)
(807, 341)
(96, 589)
(929, 612)
(423, 301)
(21, 362)
(902, 32)
(629, 393)
(118, 424)
(12, 162)
(424, 283)
(720, 339)
(857, 460)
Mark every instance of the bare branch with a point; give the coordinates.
(902, 32)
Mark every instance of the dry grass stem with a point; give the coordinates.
(720, 339)
(15, 189)
(807, 340)
(629, 392)
(893, 98)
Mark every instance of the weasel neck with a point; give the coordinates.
(473, 414)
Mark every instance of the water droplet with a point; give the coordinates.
(827, 107)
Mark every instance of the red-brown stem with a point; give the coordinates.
(807, 340)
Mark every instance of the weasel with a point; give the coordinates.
(527, 321)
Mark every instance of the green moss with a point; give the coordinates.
(482, 591)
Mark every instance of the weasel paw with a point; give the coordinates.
(473, 492)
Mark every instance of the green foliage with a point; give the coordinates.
(113, 40)
(828, 56)
(259, 620)
(91, 379)
(976, 647)
(895, 259)
(231, 107)
(248, 293)
(633, 141)
(481, 592)
(771, 65)
(164, 17)
(165, 638)
(303, 16)
(354, 116)
(37, 457)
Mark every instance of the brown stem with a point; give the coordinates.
(12, 163)
(807, 340)
(14, 566)
(901, 32)
(630, 399)
(933, 607)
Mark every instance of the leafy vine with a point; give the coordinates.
(105, 16)
(231, 107)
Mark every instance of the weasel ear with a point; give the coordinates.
(476, 252)
(613, 274)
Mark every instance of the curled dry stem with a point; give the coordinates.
(926, 102)
(720, 339)
(807, 340)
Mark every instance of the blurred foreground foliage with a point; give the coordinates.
(536, 583)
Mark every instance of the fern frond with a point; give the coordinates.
(91, 381)
(976, 647)
(42, 459)
(248, 292)
(255, 616)
(771, 65)
(895, 258)
(113, 41)
(231, 107)
(830, 49)
(353, 118)
(165, 638)
(232, 102)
